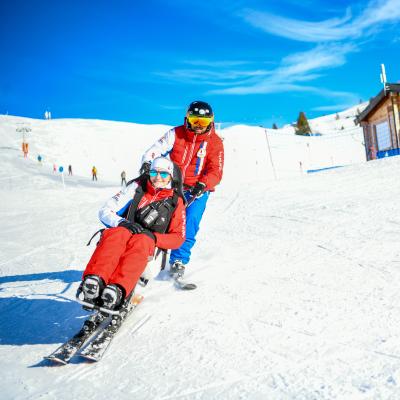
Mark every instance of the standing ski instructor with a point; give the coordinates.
(199, 153)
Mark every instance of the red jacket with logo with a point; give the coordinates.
(200, 157)
(111, 213)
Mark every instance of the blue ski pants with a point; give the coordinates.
(194, 213)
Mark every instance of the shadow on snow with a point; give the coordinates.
(52, 319)
(69, 276)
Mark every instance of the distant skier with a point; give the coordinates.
(199, 153)
(69, 169)
(123, 178)
(136, 225)
(94, 173)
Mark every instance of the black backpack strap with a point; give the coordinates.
(175, 199)
(177, 183)
(173, 203)
(141, 181)
(139, 193)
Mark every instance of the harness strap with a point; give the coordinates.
(96, 233)
(175, 199)
(139, 193)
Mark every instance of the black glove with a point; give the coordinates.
(133, 227)
(145, 168)
(198, 189)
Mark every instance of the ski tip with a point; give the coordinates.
(55, 360)
(185, 285)
(137, 299)
(88, 358)
(189, 286)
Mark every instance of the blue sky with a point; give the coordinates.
(255, 62)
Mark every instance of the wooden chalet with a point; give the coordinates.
(381, 123)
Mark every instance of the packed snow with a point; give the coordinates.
(297, 273)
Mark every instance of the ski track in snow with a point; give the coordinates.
(297, 278)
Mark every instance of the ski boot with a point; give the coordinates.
(177, 269)
(92, 286)
(112, 297)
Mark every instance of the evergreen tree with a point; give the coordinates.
(274, 126)
(302, 127)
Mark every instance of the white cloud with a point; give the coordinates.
(379, 12)
(296, 69)
(328, 30)
(374, 16)
(268, 87)
(320, 57)
(293, 69)
(220, 77)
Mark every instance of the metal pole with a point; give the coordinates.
(270, 154)
(24, 130)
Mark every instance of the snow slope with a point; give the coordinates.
(297, 276)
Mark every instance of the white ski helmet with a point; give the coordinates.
(164, 164)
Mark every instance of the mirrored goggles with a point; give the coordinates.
(164, 174)
(202, 122)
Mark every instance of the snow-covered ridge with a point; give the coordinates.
(116, 146)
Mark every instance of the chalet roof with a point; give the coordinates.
(373, 104)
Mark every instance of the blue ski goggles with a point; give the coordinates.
(164, 174)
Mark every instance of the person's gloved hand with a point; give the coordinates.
(145, 168)
(198, 189)
(133, 227)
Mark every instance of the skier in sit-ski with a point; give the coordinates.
(148, 213)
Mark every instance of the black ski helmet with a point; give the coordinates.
(199, 109)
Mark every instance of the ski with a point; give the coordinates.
(66, 351)
(182, 284)
(96, 349)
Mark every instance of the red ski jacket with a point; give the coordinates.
(200, 157)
